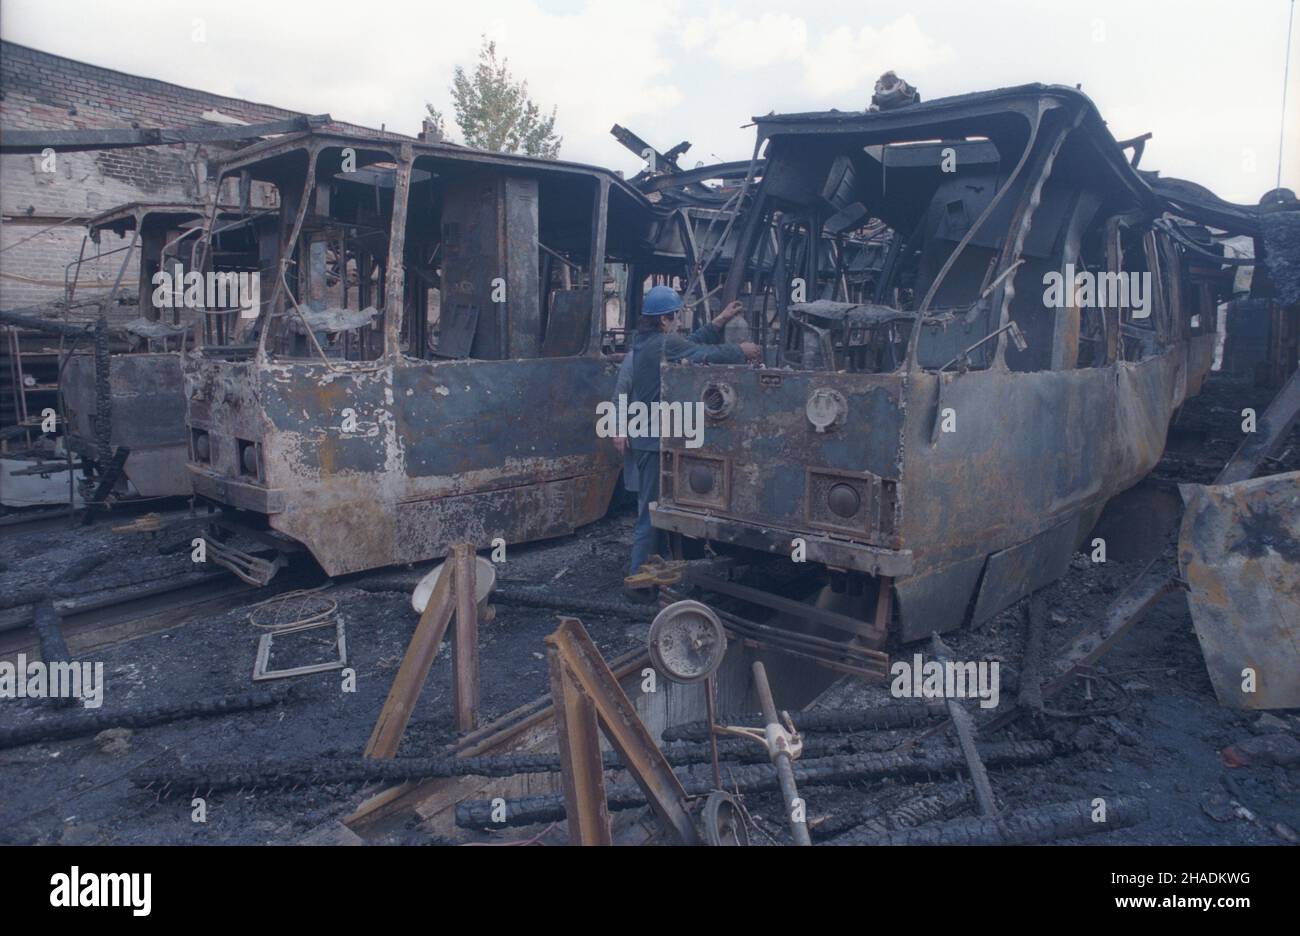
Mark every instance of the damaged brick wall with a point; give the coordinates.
(43, 91)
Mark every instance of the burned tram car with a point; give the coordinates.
(427, 361)
(944, 447)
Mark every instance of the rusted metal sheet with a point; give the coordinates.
(441, 452)
(1239, 551)
(586, 691)
(148, 417)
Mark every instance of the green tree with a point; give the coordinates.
(496, 113)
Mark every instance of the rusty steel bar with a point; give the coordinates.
(581, 767)
(599, 229)
(647, 764)
(842, 622)
(288, 242)
(781, 759)
(711, 705)
(466, 662)
(395, 279)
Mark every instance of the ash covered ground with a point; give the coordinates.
(1160, 734)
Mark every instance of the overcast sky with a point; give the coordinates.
(1205, 76)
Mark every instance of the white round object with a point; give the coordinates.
(485, 577)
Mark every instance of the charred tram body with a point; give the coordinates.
(427, 361)
(139, 406)
(942, 449)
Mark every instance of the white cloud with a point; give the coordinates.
(697, 69)
(589, 64)
(836, 60)
(748, 42)
(843, 60)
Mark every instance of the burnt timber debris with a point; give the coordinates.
(76, 726)
(382, 405)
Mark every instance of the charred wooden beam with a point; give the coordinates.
(83, 567)
(73, 603)
(663, 162)
(964, 726)
(112, 470)
(54, 649)
(77, 726)
(325, 771)
(1034, 826)
(906, 713)
(875, 818)
(828, 771)
(527, 598)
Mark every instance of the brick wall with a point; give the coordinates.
(43, 91)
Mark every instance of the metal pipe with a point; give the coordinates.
(794, 808)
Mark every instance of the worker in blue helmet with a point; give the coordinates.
(657, 340)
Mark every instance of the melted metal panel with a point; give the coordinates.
(1239, 551)
(371, 465)
(148, 417)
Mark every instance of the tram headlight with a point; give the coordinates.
(700, 479)
(843, 500)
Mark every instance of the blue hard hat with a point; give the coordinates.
(661, 300)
